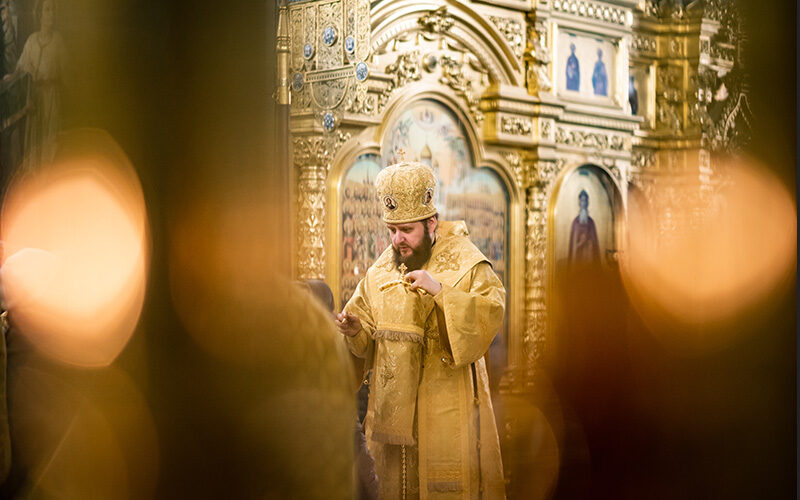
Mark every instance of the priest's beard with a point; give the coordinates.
(583, 215)
(419, 255)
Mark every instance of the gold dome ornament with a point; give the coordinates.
(405, 191)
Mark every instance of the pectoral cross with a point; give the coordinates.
(402, 281)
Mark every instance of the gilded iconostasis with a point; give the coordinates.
(542, 122)
(627, 166)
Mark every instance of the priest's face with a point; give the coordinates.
(412, 242)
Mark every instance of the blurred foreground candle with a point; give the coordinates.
(75, 251)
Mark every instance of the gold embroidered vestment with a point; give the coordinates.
(429, 406)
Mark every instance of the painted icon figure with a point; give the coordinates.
(573, 70)
(600, 76)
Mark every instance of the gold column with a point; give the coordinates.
(311, 157)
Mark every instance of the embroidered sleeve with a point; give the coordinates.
(473, 313)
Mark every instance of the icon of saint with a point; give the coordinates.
(573, 70)
(633, 97)
(583, 245)
(600, 76)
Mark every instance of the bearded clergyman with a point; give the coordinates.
(423, 317)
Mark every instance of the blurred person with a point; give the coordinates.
(365, 466)
(429, 424)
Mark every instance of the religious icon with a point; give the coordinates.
(363, 233)
(583, 245)
(573, 70)
(600, 76)
(431, 134)
(8, 23)
(44, 59)
(633, 96)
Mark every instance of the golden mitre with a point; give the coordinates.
(405, 191)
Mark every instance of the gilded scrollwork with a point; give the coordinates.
(545, 172)
(309, 33)
(721, 109)
(296, 39)
(536, 256)
(723, 52)
(363, 30)
(405, 69)
(590, 140)
(454, 76)
(547, 130)
(512, 31)
(516, 125)
(301, 99)
(537, 59)
(312, 157)
(644, 43)
(350, 19)
(438, 21)
(318, 150)
(329, 94)
(360, 103)
(669, 98)
(329, 54)
(643, 159)
(616, 172)
(533, 339)
(667, 116)
(311, 218)
(520, 170)
(675, 47)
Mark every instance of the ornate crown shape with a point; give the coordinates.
(405, 192)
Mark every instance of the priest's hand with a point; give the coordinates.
(348, 324)
(424, 280)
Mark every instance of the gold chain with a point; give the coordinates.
(403, 471)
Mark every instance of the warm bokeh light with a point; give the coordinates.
(83, 434)
(533, 444)
(221, 265)
(75, 251)
(725, 253)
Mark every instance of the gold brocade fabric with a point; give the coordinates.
(405, 191)
(425, 387)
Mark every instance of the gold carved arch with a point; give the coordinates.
(448, 20)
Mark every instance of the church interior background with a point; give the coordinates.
(519, 107)
(555, 128)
